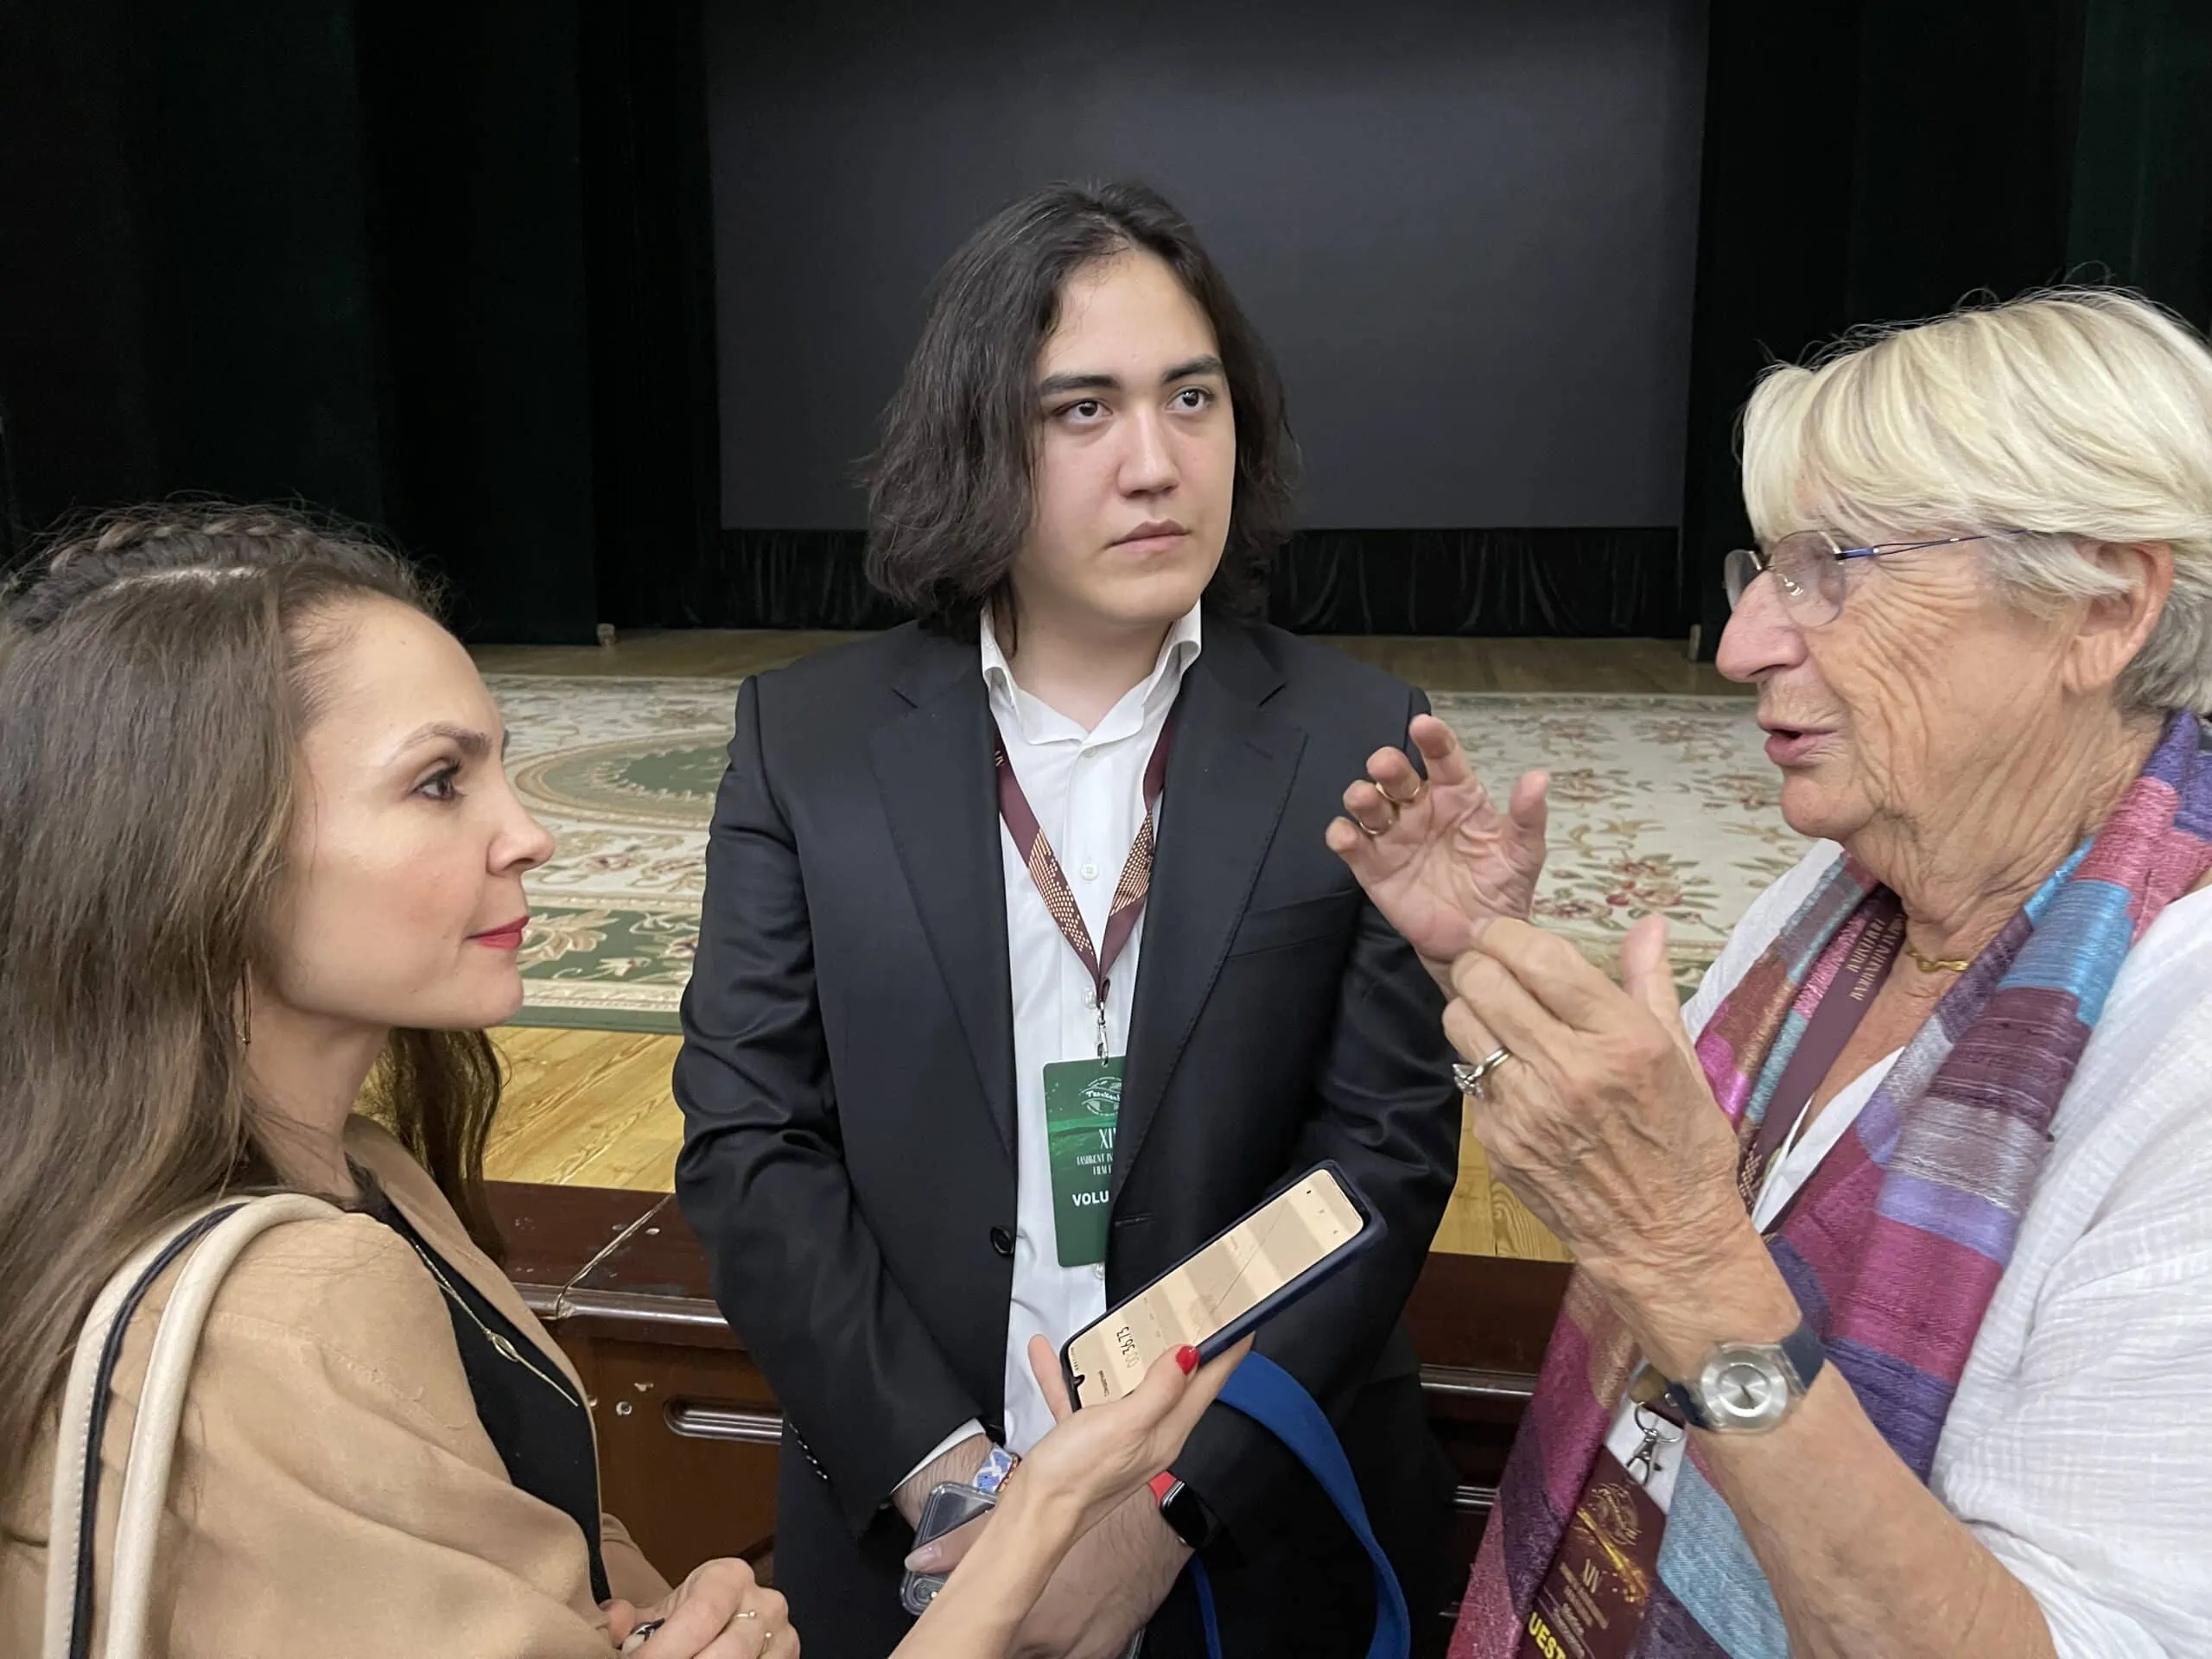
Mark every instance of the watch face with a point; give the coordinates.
(1744, 1387)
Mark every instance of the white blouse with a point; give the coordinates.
(2079, 1447)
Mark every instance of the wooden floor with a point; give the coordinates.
(593, 1108)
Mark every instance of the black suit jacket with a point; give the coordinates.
(847, 1075)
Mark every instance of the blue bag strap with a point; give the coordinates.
(1273, 1398)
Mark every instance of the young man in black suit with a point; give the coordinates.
(898, 995)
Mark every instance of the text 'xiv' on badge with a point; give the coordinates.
(1083, 1101)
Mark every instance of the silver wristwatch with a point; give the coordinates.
(1748, 1387)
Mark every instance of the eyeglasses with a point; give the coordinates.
(1808, 566)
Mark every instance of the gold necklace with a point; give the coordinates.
(1938, 964)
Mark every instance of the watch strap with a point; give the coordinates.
(1806, 1354)
(997, 1464)
(1691, 1408)
(1186, 1512)
(1802, 1352)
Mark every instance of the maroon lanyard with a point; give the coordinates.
(1837, 1015)
(1052, 886)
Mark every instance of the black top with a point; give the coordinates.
(541, 1429)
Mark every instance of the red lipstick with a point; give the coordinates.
(503, 938)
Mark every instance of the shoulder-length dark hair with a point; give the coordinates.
(157, 670)
(950, 489)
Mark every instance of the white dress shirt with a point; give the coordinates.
(2077, 1446)
(1087, 789)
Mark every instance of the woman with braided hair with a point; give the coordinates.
(261, 892)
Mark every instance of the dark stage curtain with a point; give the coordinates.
(1496, 583)
(1872, 161)
(1492, 582)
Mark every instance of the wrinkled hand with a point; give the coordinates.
(1601, 1122)
(720, 1612)
(1447, 859)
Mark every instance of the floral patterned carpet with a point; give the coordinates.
(1658, 803)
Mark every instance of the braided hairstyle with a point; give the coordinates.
(158, 668)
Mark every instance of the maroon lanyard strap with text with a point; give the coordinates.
(1052, 886)
(1841, 1006)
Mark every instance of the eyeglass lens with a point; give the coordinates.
(1740, 570)
(1804, 568)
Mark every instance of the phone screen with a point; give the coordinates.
(1293, 1232)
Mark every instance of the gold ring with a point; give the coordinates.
(1419, 784)
(1371, 833)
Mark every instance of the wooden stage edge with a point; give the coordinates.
(688, 1428)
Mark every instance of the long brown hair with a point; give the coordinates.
(155, 677)
(951, 489)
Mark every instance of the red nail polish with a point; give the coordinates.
(1187, 1358)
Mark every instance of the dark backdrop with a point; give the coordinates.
(443, 269)
(452, 270)
(1466, 227)
(1874, 160)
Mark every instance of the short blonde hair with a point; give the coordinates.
(2077, 414)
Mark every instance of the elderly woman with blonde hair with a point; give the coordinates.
(1891, 1327)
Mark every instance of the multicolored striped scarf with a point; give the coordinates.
(1896, 1242)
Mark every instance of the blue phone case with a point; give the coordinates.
(1371, 1233)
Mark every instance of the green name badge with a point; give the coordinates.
(1083, 1099)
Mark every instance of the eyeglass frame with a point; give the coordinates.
(1761, 565)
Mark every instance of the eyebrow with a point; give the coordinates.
(1053, 386)
(473, 744)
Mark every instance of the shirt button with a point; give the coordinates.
(1090, 999)
(1091, 871)
(1002, 1241)
(1097, 1270)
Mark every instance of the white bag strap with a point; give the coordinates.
(221, 1231)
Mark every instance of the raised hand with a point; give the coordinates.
(1599, 1119)
(1435, 854)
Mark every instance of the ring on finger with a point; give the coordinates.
(1419, 784)
(1371, 833)
(1470, 1077)
(1369, 830)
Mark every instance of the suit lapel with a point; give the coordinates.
(1228, 778)
(933, 766)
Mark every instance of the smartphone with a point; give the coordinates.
(1227, 1287)
(947, 1509)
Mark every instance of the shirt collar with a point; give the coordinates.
(1177, 652)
